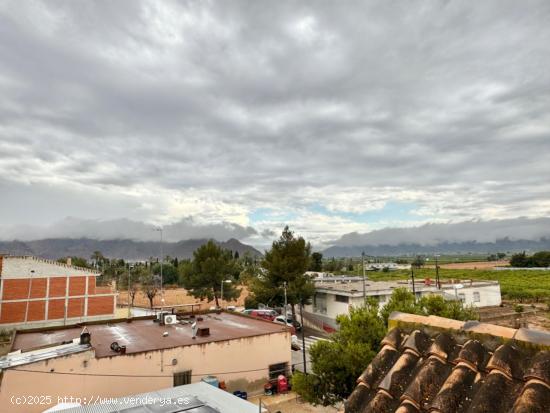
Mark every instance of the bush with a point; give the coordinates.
(518, 308)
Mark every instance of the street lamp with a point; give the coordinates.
(161, 259)
(129, 286)
(222, 283)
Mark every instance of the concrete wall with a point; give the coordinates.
(245, 363)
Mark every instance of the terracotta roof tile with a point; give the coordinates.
(432, 364)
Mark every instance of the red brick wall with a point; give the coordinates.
(91, 285)
(13, 312)
(58, 286)
(100, 305)
(56, 309)
(77, 285)
(75, 307)
(37, 311)
(38, 287)
(15, 289)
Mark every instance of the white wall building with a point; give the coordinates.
(334, 296)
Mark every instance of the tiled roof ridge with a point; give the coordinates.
(438, 365)
(473, 328)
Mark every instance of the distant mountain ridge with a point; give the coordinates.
(503, 245)
(55, 248)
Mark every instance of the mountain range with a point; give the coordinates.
(54, 248)
(504, 245)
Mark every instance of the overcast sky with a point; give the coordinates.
(237, 117)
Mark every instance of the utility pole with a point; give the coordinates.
(364, 282)
(161, 260)
(303, 335)
(438, 283)
(414, 288)
(129, 286)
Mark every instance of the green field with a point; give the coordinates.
(515, 285)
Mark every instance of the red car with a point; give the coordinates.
(268, 315)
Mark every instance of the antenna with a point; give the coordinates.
(194, 329)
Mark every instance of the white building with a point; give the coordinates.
(380, 266)
(335, 295)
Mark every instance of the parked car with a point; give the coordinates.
(263, 314)
(281, 320)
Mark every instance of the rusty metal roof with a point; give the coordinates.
(433, 364)
(145, 335)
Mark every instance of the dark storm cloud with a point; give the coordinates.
(237, 105)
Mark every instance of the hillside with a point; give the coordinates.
(504, 245)
(120, 248)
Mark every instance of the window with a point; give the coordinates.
(382, 298)
(320, 303)
(276, 369)
(341, 298)
(462, 297)
(183, 377)
(477, 298)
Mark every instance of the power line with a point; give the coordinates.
(146, 376)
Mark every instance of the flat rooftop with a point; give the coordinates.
(355, 286)
(142, 335)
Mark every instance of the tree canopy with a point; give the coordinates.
(211, 266)
(538, 259)
(285, 264)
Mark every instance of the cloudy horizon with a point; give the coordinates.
(236, 118)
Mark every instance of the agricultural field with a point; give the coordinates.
(523, 286)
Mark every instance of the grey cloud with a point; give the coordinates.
(432, 234)
(128, 229)
(258, 103)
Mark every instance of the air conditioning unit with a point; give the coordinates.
(170, 319)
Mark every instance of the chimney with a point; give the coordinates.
(69, 261)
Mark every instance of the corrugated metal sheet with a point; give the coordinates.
(18, 359)
(190, 398)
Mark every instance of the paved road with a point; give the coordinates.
(297, 356)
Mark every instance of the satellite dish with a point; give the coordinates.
(194, 329)
(458, 286)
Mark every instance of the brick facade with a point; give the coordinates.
(100, 305)
(55, 293)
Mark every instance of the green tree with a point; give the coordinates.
(211, 266)
(401, 300)
(541, 259)
(316, 262)
(337, 362)
(75, 261)
(286, 262)
(418, 262)
(169, 273)
(520, 260)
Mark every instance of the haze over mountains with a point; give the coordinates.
(138, 241)
(472, 236)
